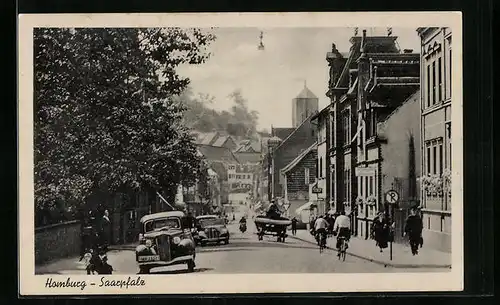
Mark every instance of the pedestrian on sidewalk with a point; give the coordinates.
(294, 226)
(413, 229)
(380, 231)
(105, 229)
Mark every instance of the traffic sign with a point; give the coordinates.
(317, 190)
(392, 197)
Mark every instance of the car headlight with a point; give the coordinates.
(149, 243)
(177, 240)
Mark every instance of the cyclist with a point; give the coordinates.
(342, 228)
(320, 226)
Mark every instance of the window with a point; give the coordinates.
(450, 157)
(428, 160)
(366, 187)
(306, 176)
(321, 167)
(332, 183)
(346, 185)
(361, 138)
(428, 85)
(349, 187)
(434, 159)
(440, 81)
(451, 74)
(346, 128)
(434, 87)
(361, 186)
(371, 185)
(434, 156)
(440, 158)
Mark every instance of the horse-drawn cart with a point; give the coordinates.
(272, 226)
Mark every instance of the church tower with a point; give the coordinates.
(305, 104)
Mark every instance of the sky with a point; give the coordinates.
(271, 78)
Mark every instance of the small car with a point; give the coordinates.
(211, 229)
(165, 239)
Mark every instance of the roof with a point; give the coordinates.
(321, 112)
(162, 215)
(247, 157)
(281, 132)
(295, 130)
(306, 93)
(299, 158)
(220, 141)
(414, 96)
(216, 153)
(248, 146)
(209, 138)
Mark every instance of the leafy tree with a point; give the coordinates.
(105, 114)
(239, 121)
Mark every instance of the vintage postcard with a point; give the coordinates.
(240, 153)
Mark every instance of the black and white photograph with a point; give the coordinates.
(241, 153)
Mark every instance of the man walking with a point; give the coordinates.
(294, 226)
(413, 228)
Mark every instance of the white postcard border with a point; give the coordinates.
(31, 284)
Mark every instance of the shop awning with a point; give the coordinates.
(306, 206)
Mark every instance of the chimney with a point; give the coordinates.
(407, 51)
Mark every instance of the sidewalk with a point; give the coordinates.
(401, 253)
(72, 265)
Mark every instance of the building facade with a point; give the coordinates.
(322, 121)
(299, 174)
(366, 89)
(283, 152)
(436, 165)
(242, 181)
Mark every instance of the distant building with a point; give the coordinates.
(284, 151)
(219, 160)
(303, 106)
(436, 97)
(215, 138)
(241, 180)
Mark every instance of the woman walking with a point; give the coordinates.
(380, 231)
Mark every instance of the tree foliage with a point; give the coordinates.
(105, 113)
(239, 121)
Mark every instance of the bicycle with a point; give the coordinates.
(322, 242)
(342, 248)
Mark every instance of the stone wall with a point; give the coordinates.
(57, 241)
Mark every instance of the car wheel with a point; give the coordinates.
(144, 270)
(190, 265)
(203, 244)
(226, 241)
